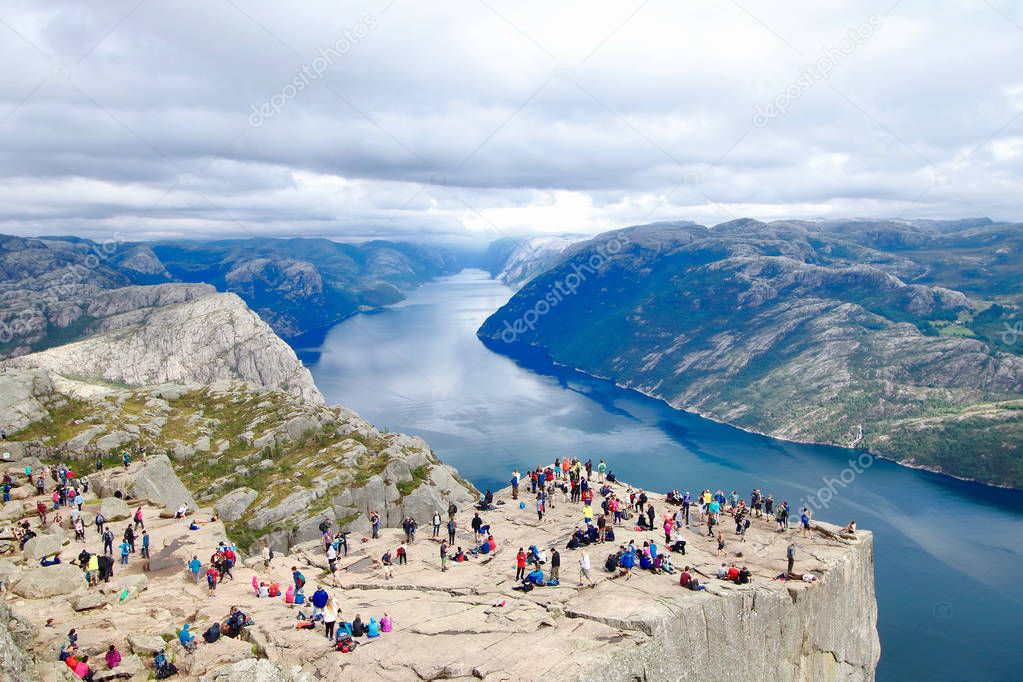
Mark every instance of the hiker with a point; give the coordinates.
(804, 522)
(790, 554)
(374, 521)
(113, 657)
(129, 537)
(266, 554)
(108, 542)
(386, 562)
(124, 547)
(555, 564)
(476, 524)
(297, 578)
(187, 639)
(319, 600)
(452, 526)
(436, 524)
(126, 458)
(145, 544)
(443, 556)
(402, 554)
(138, 518)
(332, 564)
(195, 566)
(329, 619)
(520, 564)
(687, 580)
(212, 577)
(584, 568)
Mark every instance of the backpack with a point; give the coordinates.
(212, 633)
(166, 670)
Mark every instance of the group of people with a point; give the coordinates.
(572, 479)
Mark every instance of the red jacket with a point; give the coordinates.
(520, 560)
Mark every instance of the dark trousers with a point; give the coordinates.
(451, 537)
(520, 573)
(329, 629)
(791, 563)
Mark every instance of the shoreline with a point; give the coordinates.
(489, 343)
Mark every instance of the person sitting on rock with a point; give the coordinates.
(186, 638)
(744, 576)
(358, 627)
(536, 576)
(50, 562)
(459, 555)
(113, 657)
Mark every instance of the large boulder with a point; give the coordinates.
(146, 644)
(153, 480)
(113, 440)
(114, 509)
(45, 544)
(255, 670)
(130, 666)
(224, 652)
(232, 506)
(49, 581)
(88, 601)
(22, 393)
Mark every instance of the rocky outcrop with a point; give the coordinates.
(22, 392)
(210, 339)
(16, 663)
(233, 505)
(152, 480)
(516, 261)
(49, 581)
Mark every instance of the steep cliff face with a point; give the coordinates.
(16, 663)
(826, 631)
(212, 338)
(517, 262)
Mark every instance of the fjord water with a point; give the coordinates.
(947, 553)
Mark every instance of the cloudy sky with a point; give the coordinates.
(492, 117)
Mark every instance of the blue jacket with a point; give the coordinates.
(320, 598)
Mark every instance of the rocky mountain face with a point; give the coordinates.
(300, 285)
(516, 261)
(211, 338)
(49, 288)
(801, 331)
(54, 290)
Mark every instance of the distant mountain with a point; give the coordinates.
(49, 287)
(873, 335)
(298, 285)
(515, 261)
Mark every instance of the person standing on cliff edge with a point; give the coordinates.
(790, 553)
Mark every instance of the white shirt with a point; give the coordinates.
(584, 561)
(331, 553)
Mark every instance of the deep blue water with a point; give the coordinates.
(947, 553)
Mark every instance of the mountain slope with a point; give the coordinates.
(786, 329)
(299, 285)
(213, 338)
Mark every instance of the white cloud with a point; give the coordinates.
(500, 117)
